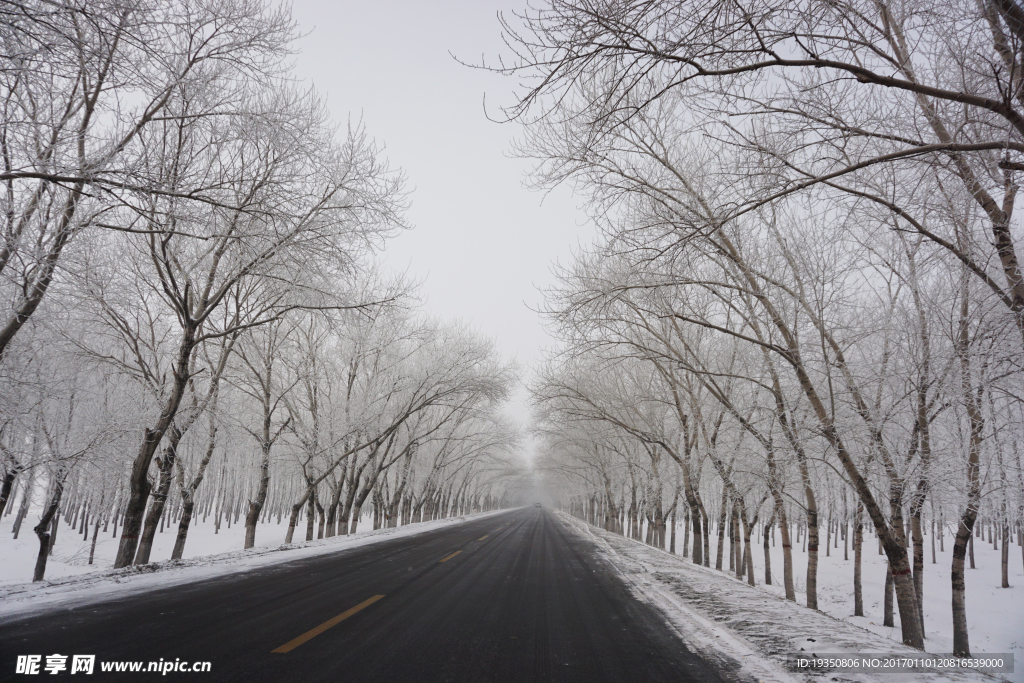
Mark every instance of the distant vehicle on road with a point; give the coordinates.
(536, 505)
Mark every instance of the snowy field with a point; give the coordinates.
(69, 580)
(995, 615)
(749, 630)
(71, 554)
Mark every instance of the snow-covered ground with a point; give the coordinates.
(995, 616)
(69, 580)
(71, 555)
(754, 632)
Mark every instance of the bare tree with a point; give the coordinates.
(83, 84)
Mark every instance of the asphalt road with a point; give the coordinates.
(514, 597)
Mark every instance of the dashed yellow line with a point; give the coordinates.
(313, 633)
(308, 635)
(451, 556)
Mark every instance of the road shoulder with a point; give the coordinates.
(730, 622)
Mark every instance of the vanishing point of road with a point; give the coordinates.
(513, 597)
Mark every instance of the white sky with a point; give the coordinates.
(482, 243)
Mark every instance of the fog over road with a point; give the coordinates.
(511, 597)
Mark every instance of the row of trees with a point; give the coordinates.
(314, 414)
(186, 265)
(806, 286)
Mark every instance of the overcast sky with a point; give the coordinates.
(482, 243)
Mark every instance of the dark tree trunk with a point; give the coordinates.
(310, 515)
(159, 497)
(1006, 554)
(26, 498)
(672, 538)
(5, 488)
(721, 530)
(698, 534)
(42, 529)
(293, 520)
(748, 553)
(252, 517)
(686, 531)
(965, 529)
(332, 509)
(92, 546)
(320, 519)
(705, 535)
(887, 616)
(918, 541)
(812, 536)
(858, 547)
(188, 493)
(358, 507)
(735, 545)
(775, 488)
(139, 484)
(186, 519)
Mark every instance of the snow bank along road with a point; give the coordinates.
(748, 630)
(510, 597)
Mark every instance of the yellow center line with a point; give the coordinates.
(451, 556)
(482, 537)
(308, 635)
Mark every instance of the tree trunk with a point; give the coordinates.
(357, 510)
(918, 540)
(139, 484)
(397, 499)
(41, 529)
(293, 520)
(256, 505)
(352, 484)
(659, 527)
(54, 528)
(320, 519)
(92, 546)
(736, 548)
(672, 538)
(686, 532)
(186, 519)
(26, 501)
(5, 488)
(156, 506)
(887, 617)
(188, 493)
(332, 510)
(357, 507)
(698, 534)
(310, 515)
(417, 512)
(812, 537)
(965, 529)
(748, 553)
(1006, 554)
(705, 534)
(942, 533)
(721, 530)
(858, 546)
(332, 517)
